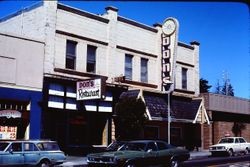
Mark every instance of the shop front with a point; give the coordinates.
(19, 114)
(77, 125)
(186, 115)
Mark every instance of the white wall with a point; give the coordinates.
(21, 62)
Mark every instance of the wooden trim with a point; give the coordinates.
(185, 45)
(131, 22)
(139, 84)
(185, 64)
(184, 91)
(136, 51)
(81, 37)
(82, 13)
(78, 73)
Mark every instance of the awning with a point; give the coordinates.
(10, 114)
(183, 109)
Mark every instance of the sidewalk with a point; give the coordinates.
(81, 161)
(199, 154)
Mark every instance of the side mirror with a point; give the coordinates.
(11, 151)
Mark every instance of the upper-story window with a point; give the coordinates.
(71, 54)
(128, 66)
(184, 78)
(144, 70)
(91, 59)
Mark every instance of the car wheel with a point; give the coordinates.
(44, 163)
(174, 163)
(230, 153)
(247, 151)
(130, 165)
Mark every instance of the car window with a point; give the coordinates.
(3, 146)
(161, 145)
(226, 140)
(152, 146)
(15, 147)
(30, 147)
(133, 146)
(242, 140)
(48, 146)
(237, 141)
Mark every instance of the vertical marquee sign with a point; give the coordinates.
(90, 89)
(169, 44)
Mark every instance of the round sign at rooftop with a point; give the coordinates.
(169, 26)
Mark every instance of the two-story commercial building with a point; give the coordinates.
(111, 54)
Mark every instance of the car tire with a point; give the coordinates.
(230, 152)
(174, 163)
(44, 163)
(247, 151)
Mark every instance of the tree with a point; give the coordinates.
(217, 88)
(204, 86)
(130, 118)
(225, 89)
(238, 127)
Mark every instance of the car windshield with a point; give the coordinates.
(226, 140)
(48, 146)
(133, 147)
(3, 146)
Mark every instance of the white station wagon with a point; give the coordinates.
(230, 146)
(40, 153)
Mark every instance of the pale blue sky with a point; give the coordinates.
(222, 28)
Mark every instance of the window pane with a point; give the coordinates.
(144, 70)
(128, 66)
(91, 58)
(184, 78)
(70, 54)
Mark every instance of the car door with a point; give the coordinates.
(242, 144)
(237, 147)
(150, 157)
(164, 153)
(14, 155)
(31, 153)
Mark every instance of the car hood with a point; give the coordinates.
(221, 144)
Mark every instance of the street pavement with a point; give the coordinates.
(81, 161)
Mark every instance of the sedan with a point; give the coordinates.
(140, 153)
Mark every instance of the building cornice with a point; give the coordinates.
(82, 13)
(81, 37)
(134, 23)
(136, 51)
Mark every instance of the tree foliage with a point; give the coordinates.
(225, 89)
(129, 118)
(204, 86)
(237, 128)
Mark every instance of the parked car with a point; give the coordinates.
(140, 153)
(30, 152)
(230, 146)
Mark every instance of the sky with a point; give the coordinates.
(221, 28)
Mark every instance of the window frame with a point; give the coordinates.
(144, 74)
(128, 69)
(184, 78)
(70, 56)
(91, 59)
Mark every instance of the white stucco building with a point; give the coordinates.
(80, 45)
